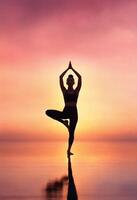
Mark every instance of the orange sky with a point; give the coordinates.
(38, 38)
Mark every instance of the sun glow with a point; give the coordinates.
(36, 51)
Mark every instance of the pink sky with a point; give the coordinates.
(37, 40)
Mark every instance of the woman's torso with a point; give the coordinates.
(70, 98)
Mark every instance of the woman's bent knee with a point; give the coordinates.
(47, 112)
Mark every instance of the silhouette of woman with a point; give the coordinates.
(69, 115)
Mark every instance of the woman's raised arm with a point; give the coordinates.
(61, 80)
(79, 78)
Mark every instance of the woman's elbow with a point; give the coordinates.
(80, 78)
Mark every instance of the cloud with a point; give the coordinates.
(35, 29)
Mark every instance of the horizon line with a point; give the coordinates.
(78, 140)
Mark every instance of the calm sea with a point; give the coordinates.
(42, 171)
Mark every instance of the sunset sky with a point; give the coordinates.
(38, 38)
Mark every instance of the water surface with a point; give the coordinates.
(100, 171)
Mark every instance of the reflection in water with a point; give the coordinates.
(72, 192)
(54, 189)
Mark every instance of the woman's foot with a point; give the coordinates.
(66, 123)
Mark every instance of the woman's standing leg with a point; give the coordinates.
(73, 123)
